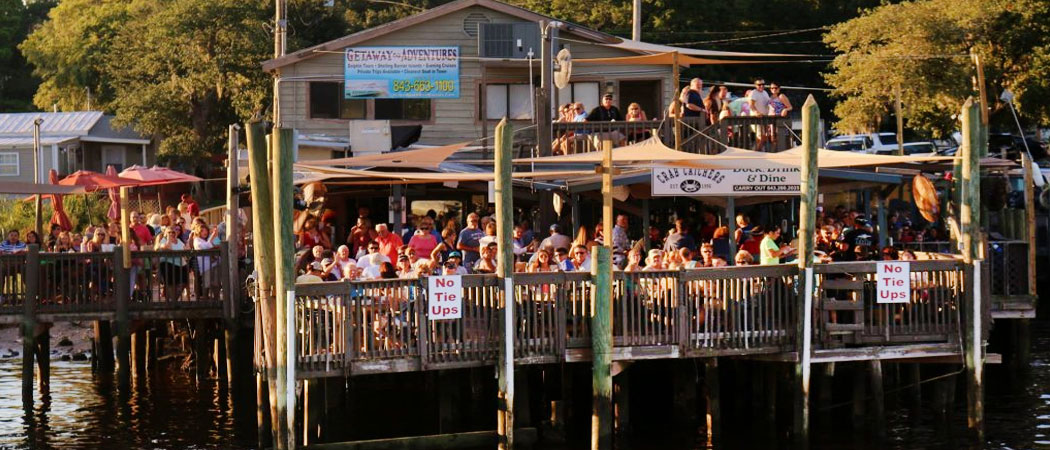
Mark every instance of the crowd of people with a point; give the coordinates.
(433, 245)
(711, 106)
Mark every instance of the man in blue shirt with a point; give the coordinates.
(12, 244)
(468, 240)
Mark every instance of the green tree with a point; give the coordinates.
(17, 84)
(924, 47)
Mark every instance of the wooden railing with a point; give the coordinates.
(86, 284)
(380, 326)
(696, 135)
(847, 311)
(1005, 261)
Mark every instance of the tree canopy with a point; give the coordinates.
(924, 49)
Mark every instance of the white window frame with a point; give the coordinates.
(508, 95)
(569, 94)
(17, 164)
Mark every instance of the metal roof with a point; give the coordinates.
(55, 123)
(9, 142)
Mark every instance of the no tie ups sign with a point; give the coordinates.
(445, 297)
(894, 282)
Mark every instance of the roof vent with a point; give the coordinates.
(470, 23)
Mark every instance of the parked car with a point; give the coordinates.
(865, 143)
(1013, 146)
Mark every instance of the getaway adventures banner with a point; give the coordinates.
(401, 72)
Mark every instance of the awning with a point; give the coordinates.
(424, 158)
(649, 150)
(27, 141)
(15, 187)
(434, 177)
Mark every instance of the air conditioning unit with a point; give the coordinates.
(508, 40)
(368, 137)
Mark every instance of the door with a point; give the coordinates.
(644, 92)
(113, 155)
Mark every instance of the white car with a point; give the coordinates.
(864, 143)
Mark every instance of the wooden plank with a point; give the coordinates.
(840, 305)
(472, 439)
(842, 284)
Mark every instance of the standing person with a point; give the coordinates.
(469, 239)
(556, 240)
(743, 228)
(679, 238)
(758, 103)
(360, 235)
(388, 242)
(771, 252)
(490, 234)
(620, 241)
(606, 111)
(635, 113)
(139, 227)
(423, 241)
(692, 99)
(712, 105)
(191, 206)
(779, 102)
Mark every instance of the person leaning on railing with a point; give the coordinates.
(173, 271)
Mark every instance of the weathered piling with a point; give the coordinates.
(504, 188)
(806, 234)
(103, 351)
(970, 223)
(29, 324)
(121, 292)
(284, 266)
(601, 348)
(712, 392)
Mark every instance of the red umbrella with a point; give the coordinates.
(93, 181)
(59, 218)
(114, 196)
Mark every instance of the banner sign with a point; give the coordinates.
(401, 72)
(726, 182)
(893, 281)
(445, 297)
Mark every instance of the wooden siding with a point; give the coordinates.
(455, 120)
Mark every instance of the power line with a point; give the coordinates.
(761, 36)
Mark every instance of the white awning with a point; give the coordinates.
(638, 46)
(12, 142)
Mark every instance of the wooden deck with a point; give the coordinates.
(357, 328)
(188, 284)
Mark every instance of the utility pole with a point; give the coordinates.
(543, 132)
(636, 21)
(900, 122)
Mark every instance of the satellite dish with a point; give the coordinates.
(564, 72)
(926, 198)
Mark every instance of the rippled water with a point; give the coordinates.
(168, 410)
(165, 410)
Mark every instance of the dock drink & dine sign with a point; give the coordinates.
(687, 181)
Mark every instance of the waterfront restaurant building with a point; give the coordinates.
(494, 40)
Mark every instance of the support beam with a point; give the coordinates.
(544, 93)
(29, 323)
(731, 222)
(806, 235)
(712, 390)
(504, 271)
(878, 399)
(121, 292)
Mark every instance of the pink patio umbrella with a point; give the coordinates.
(93, 181)
(60, 217)
(174, 176)
(144, 175)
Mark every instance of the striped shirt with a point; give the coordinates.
(7, 247)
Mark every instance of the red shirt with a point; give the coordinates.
(388, 245)
(143, 232)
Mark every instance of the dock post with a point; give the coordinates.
(43, 358)
(970, 224)
(120, 295)
(103, 346)
(284, 259)
(714, 401)
(859, 406)
(622, 406)
(601, 348)
(138, 349)
(504, 188)
(806, 235)
(32, 273)
(878, 402)
(601, 322)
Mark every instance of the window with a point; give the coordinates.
(327, 102)
(510, 100)
(585, 92)
(9, 164)
(402, 109)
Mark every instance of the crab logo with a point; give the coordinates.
(690, 186)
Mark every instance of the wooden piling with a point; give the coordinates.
(601, 348)
(712, 392)
(622, 406)
(504, 188)
(970, 223)
(860, 396)
(284, 268)
(684, 384)
(32, 280)
(103, 340)
(806, 235)
(138, 351)
(878, 401)
(121, 296)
